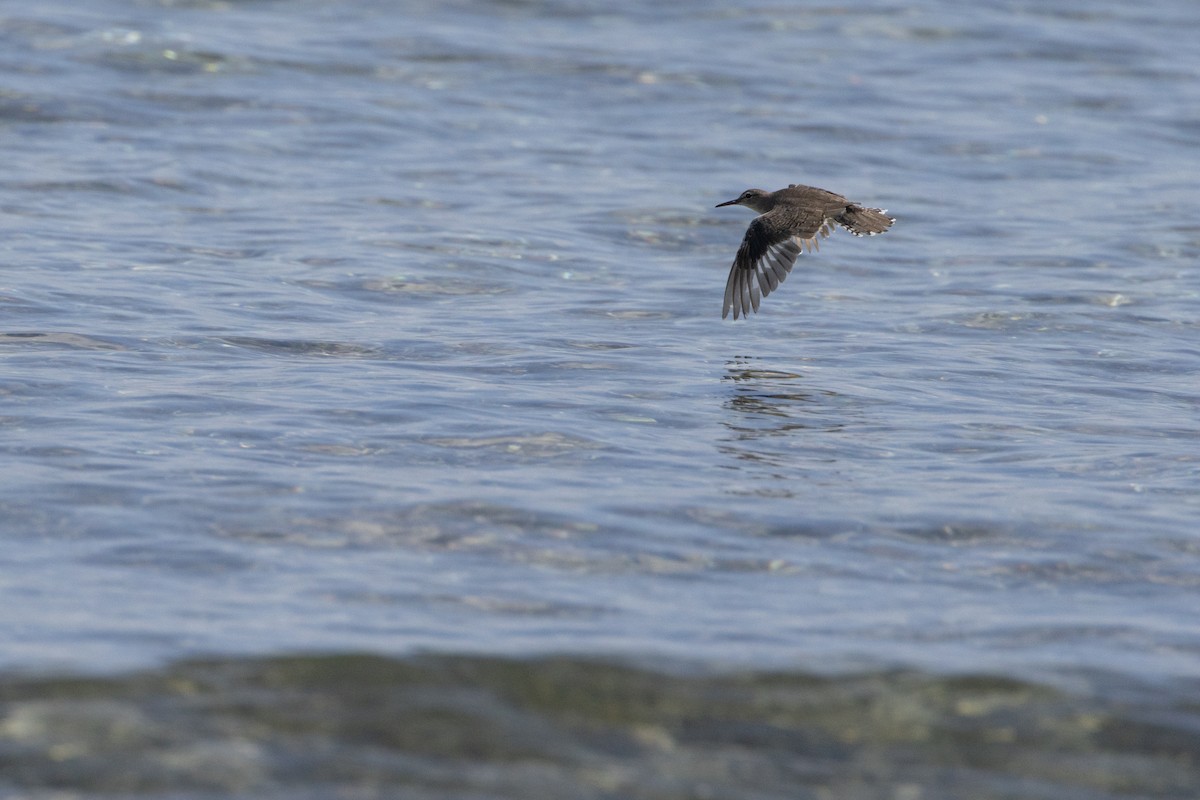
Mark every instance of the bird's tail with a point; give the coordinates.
(864, 221)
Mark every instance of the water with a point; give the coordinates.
(375, 329)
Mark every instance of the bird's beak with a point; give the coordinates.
(726, 203)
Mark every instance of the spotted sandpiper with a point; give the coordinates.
(790, 220)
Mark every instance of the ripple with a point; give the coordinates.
(295, 347)
(68, 340)
(536, 445)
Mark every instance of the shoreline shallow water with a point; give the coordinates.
(452, 726)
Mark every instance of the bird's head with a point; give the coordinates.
(757, 199)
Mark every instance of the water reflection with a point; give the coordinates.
(771, 402)
(769, 410)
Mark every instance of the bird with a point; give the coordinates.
(789, 221)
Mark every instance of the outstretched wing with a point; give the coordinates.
(765, 258)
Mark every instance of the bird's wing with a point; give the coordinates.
(765, 258)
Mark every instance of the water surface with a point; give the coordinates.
(375, 329)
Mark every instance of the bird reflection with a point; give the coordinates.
(776, 423)
(759, 392)
(764, 391)
(770, 405)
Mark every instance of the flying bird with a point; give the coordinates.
(789, 221)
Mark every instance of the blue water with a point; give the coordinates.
(389, 327)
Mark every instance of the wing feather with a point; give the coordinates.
(765, 258)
